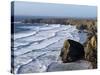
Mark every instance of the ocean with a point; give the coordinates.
(36, 46)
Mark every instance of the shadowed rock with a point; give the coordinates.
(72, 51)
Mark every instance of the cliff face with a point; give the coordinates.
(66, 21)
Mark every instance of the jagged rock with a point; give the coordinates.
(91, 50)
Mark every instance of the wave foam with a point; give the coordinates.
(42, 43)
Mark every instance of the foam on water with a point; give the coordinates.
(24, 34)
(39, 47)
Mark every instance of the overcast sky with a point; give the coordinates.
(48, 9)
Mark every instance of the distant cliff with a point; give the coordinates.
(81, 23)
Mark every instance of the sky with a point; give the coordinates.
(50, 9)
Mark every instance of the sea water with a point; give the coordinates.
(38, 45)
